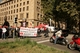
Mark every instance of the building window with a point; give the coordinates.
(20, 0)
(27, 8)
(14, 1)
(23, 8)
(17, 0)
(23, 3)
(17, 5)
(21, 16)
(27, 2)
(38, 9)
(9, 3)
(11, 18)
(38, 16)
(20, 4)
(16, 10)
(9, 7)
(38, 3)
(27, 15)
(14, 6)
(20, 9)
(11, 11)
(8, 18)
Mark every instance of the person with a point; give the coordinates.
(6, 24)
(46, 32)
(3, 32)
(39, 32)
(0, 31)
(57, 35)
(24, 23)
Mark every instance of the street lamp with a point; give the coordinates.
(50, 21)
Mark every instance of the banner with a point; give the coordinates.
(28, 31)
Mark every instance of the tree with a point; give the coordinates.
(67, 11)
(47, 9)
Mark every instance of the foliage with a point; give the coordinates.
(47, 9)
(62, 11)
(67, 11)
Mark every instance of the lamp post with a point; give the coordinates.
(50, 21)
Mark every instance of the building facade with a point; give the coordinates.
(29, 10)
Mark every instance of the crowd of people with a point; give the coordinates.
(5, 28)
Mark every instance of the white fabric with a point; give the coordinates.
(58, 33)
(4, 30)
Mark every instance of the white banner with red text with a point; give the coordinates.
(28, 31)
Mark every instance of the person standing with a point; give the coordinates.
(3, 32)
(6, 25)
(24, 23)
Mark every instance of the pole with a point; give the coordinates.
(50, 22)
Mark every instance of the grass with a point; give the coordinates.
(26, 46)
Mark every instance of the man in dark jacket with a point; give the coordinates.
(6, 24)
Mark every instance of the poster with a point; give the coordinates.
(28, 32)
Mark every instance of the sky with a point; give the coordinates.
(0, 0)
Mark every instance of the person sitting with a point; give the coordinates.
(57, 35)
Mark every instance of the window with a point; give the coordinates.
(8, 18)
(38, 16)
(9, 7)
(17, 5)
(14, 6)
(21, 16)
(23, 8)
(20, 9)
(20, 4)
(38, 9)
(14, 1)
(11, 11)
(16, 10)
(11, 18)
(27, 2)
(27, 8)
(23, 3)
(9, 3)
(27, 15)
(17, 0)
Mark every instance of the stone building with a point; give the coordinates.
(30, 10)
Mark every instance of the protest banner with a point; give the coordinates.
(28, 32)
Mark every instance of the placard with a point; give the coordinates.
(28, 31)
